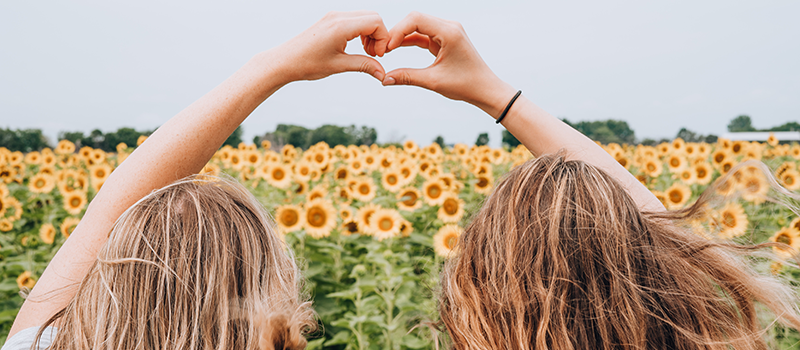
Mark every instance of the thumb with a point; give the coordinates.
(409, 76)
(361, 63)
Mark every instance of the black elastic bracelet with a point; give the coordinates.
(505, 111)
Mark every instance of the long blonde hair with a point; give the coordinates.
(561, 257)
(194, 265)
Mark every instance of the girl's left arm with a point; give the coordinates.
(184, 144)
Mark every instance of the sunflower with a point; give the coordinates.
(795, 224)
(788, 236)
(772, 140)
(726, 186)
(433, 191)
(677, 195)
(661, 196)
(25, 280)
(452, 208)
(726, 166)
(33, 158)
(74, 202)
(341, 173)
(6, 225)
(406, 228)
(392, 180)
(385, 223)
(99, 173)
(731, 220)
(719, 156)
(790, 179)
(754, 188)
(687, 176)
(320, 218)
(364, 217)
(652, 167)
(251, 157)
(484, 183)
(410, 146)
(408, 172)
(68, 226)
(349, 227)
(236, 160)
(317, 192)
(47, 233)
(16, 207)
(702, 173)
(65, 147)
(279, 175)
(408, 199)
(211, 169)
(445, 242)
(676, 162)
(289, 217)
(346, 213)
(356, 165)
(41, 183)
(370, 161)
(364, 189)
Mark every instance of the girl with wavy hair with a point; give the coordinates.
(192, 264)
(571, 251)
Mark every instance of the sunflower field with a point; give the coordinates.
(371, 226)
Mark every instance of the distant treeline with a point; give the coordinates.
(605, 131)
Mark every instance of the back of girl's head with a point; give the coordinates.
(560, 257)
(194, 265)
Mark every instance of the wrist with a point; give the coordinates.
(271, 68)
(495, 98)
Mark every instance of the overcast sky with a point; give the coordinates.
(660, 66)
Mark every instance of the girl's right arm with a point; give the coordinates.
(459, 73)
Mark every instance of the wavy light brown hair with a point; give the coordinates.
(561, 257)
(194, 265)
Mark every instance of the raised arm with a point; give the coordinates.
(184, 144)
(459, 73)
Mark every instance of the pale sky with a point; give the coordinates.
(660, 66)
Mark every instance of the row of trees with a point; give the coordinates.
(298, 136)
(605, 131)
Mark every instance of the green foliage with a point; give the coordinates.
(509, 139)
(790, 126)
(605, 131)
(439, 140)
(691, 136)
(106, 141)
(235, 138)
(740, 124)
(301, 137)
(23, 140)
(483, 139)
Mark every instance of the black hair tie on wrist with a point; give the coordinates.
(505, 111)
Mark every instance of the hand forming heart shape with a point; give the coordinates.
(458, 72)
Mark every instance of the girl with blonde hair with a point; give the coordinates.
(192, 264)
(571, 251)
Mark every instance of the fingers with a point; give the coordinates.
(415, 22)
(361, 63)
(410, 76)
(374, 35)
(422, 41)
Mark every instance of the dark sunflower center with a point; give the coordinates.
(317, 217)
(451, 241)
(385, 224)
(450, 206)
(289, 217)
